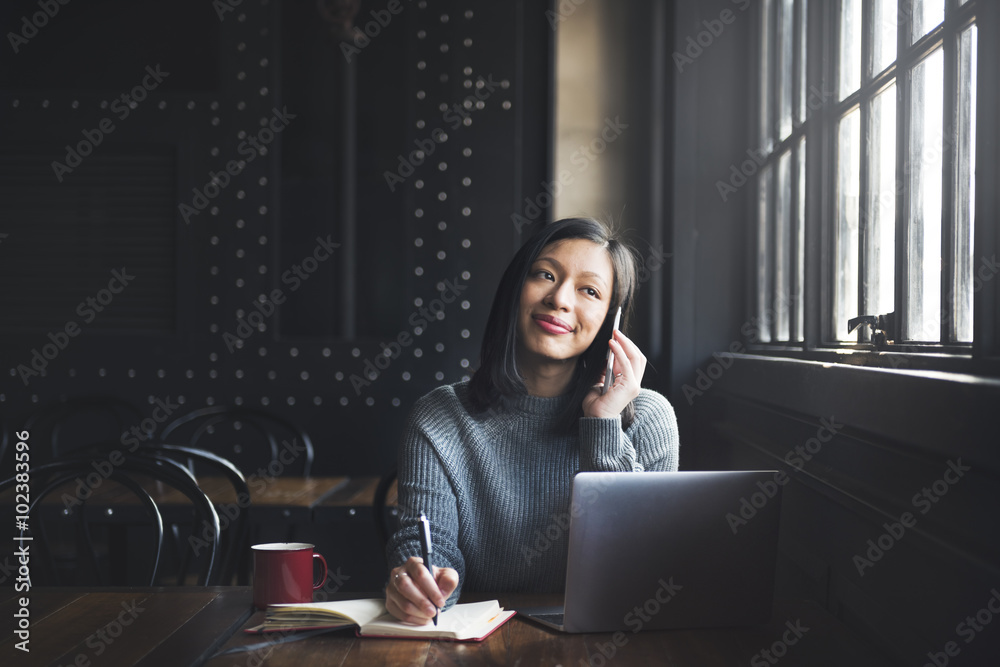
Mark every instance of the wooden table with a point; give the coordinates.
(290, 496)
(288, 499)
(824, 643)
(187, 626)
(148, 627)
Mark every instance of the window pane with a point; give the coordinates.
(764, 258)
(965, 196)
(922, 322)
(767, 17)
(850, 47)
(927, 15)
(798, 289)
(785, 44)
(783, 248)
(846, 258)
(800, 61)
(884, 25)
(880, 211)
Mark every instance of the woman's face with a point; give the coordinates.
(564, 300)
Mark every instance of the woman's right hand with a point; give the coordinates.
(413, 596)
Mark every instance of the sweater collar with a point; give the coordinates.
(542, 406)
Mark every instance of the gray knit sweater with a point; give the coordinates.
(496, 485)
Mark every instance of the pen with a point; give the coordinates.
(611, 355)
(426, 548)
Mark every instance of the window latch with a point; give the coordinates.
(881, 326)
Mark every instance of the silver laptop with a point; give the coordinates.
(659, 550)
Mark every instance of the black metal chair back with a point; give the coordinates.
(258, 442)
(234, 518)
(86, 504)
(59, 427)
(386, 523)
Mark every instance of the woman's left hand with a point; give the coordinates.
(630, 364)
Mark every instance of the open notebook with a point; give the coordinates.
(464, 622)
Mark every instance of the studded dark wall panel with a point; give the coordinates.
(269, 218)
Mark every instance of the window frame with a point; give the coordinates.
(819, 128)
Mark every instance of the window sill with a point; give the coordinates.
(914, 358)
(949, 412)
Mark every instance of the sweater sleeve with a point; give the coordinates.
(651, 442)
(424, 486)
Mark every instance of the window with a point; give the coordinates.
(894, 119)
(784, 106)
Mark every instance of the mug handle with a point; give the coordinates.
(322, 579)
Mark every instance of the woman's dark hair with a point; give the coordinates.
(498, 375)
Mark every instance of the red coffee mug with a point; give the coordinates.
(283, 573)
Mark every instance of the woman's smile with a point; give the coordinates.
(552, 324)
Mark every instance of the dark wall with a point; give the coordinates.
(185, 328)
(864, 449)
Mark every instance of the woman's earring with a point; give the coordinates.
(584, 363)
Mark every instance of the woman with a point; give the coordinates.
(491, 460)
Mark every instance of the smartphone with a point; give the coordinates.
(611, 355)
